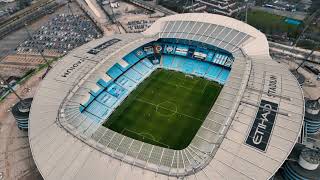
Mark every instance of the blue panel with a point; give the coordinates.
(177, 62)
(126, 83)
(188, 66)
(103, 83)
(116, 90)
(210, 56)
(106, 99)
(213, 72)
(201, 68)
(84, 105)
(114, 72)
(98, 109)
(120, 67)
(167, 61)
(93, 117)
(224, 76)
(142, 69)
(133, 75)
(147, 63)
(131, 58)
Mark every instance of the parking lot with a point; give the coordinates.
(54, 34)
(62, 33)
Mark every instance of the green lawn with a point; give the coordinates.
(270, 23)
(166, 109)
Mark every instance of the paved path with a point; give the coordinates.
(16, 161)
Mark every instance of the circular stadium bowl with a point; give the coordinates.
(246, 132)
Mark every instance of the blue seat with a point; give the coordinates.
(133, 75)
(202, 68)
(131, 58)
(98, 109)
(106, 99)
(92, 117)
(85, 104)
(209, 56)
(103, 83)
(213, 72)
(147, 63)
(121, 68)
(223, 76)
(126, 83)
(116, 90)
(167, 61)
(142, 69)
(177, 62)
(188, 66)
(114, 72)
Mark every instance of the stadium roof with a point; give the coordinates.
(257, 116)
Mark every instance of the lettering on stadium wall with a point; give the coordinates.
(272, 89)
(72, 68)
(103, 46)
(262, 126)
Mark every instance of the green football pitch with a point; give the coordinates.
(166, 109)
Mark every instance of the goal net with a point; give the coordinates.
(189, 76)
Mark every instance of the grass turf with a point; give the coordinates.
(271, 23)
(166, 109)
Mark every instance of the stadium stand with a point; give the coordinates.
(131, 58)
(114, 72)
(126, 79)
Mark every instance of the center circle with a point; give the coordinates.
(167, 108)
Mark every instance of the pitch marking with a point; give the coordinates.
(173, 112)
(141, 100)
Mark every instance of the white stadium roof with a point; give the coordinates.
(259, 93)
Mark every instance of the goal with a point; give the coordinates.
(189, 76)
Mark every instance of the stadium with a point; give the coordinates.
(195, 96)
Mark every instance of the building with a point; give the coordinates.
(20, 112)
(248, 134)
(223, 7)
(303, 163)
(312, 116)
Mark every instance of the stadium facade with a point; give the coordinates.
(248, 134)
